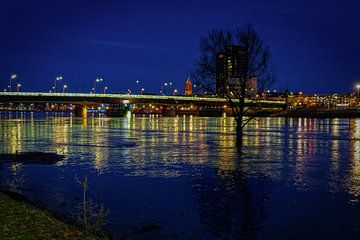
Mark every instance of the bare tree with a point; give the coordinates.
(255, 65)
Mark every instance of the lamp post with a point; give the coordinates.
(358, 89)
(171, 86)
(175, 92)
(95, 82)
(18, 86)
(105, 88)
(58, 78)
(162, 88)
(137, 85)
(12, 78)
(64, 88)
(142, 90)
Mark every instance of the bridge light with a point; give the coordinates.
(128, 114)
(18, 87)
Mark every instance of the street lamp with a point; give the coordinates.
(175, 91)
(58, 78)
(105, 88)
(12, 78)
(64, 88)
(95, 82)
(142, 90)
(18, 86)
(358, 89)
(138, 86)
(171, 87)
(162, 88)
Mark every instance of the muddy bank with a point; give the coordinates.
(31, 157)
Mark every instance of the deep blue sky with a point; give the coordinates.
(315, 44)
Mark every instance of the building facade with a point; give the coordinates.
(188, 88)
(231, 68)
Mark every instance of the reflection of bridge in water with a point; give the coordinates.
(166, 105)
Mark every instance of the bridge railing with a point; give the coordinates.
(129, 97)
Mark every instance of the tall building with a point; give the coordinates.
(231, 66)
(188, 87)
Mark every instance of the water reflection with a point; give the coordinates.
(186, 172)
(231, 204)
(354, 149)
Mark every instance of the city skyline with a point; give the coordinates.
(157, 42)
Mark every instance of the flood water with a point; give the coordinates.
(293, 179)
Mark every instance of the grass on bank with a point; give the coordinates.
(22, 221)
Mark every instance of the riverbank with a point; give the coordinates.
(306, 113)
(21, 220)
(319, 113)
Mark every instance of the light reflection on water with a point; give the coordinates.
(294, 178)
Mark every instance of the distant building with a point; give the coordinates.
(251, 87)
(188, 88)
(231, 66)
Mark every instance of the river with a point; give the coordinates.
(184, 178)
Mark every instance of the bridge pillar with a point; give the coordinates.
(212, 112)
(80, 111)
(168, 112)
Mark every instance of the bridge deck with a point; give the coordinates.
(116, 98)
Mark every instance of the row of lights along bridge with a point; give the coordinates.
(93, 90)
(54, 89)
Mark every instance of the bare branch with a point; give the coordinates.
(256, 66)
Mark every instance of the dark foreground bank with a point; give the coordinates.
(21, 220)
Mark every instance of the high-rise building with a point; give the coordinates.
(231, 66)
(188, 87)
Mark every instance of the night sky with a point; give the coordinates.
(315, 44)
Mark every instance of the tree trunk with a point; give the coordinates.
(239, 133)
(239, 122)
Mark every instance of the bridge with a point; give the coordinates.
(88, 99)
(85, 98)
